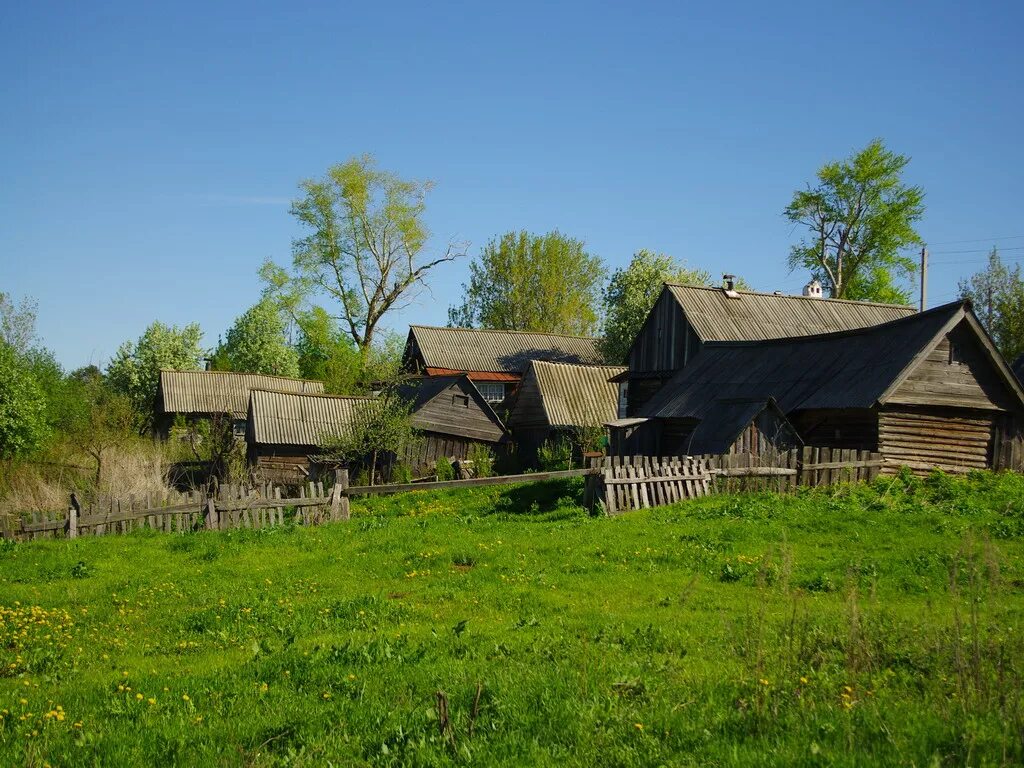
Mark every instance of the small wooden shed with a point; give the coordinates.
(286, 430)
(209, 394)
(452, 416)
(927, 391)
(495, 360)
(556, 399)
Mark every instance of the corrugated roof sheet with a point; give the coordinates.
(463, 349)
(842, 370)
(201, 392)
(754, 316)
(289, 418)
(577, 395)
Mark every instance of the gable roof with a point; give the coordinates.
(722, 423)
(851, 369)
(419, 391)
(753, 316)
(203, 392)
(576, 395)
(291, 418)
(508, 352)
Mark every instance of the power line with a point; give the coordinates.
(980, 240)
(972, 261)
(984, 250)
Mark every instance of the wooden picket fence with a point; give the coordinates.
(616, 484)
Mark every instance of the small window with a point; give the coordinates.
(462, 400)
(493, 393)
(955, 354)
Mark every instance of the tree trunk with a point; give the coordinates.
(373, 466)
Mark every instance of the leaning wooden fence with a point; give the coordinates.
(616, 484)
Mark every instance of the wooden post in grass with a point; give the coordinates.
(339, 496)
(210, 518)
(73, 512)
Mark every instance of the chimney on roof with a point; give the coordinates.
(813, 290)
(730, 282)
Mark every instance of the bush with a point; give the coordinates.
(482, 459)
(444, 469)
(554, 454)
(401, 473)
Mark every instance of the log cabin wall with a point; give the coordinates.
(855, 429)
(955, 440)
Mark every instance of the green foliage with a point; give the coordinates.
(863, 625)
(997, 294)
(443, 469)
(859, 217)
(328, 355)
(18, 322)
(482, 458)
(555, 454)
(23, 416)
(106, 421)
(380, 428)
(364, 247)
(135, 369)
(256, 343)
(631, 293)
(525, 282)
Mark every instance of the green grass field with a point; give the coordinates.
(856, 625)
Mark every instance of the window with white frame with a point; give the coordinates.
(492, 392)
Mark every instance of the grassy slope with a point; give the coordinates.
(839, 627)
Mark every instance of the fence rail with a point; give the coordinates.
(616, 484)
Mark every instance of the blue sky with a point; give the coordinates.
(148, 155)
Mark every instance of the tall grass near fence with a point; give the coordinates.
(852, 625)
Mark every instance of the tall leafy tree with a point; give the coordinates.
(17, 322)
(525, 282)
(631, 293)
(23, 416)
(135, 369)
(997, 293)
(859, 218)
(365, 247)
(256, 343)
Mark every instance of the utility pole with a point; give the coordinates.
(924, 277)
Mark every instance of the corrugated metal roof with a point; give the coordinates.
(577, 395)
(202, 392)
(852, 369)
(754, 316)
(289, 418)
(464, 349)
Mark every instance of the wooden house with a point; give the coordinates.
(687, 317)
(452, 416)
(286, 430)
(494, 360)
(557, 399)
(927, 391)
(210, 394)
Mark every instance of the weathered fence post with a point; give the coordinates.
(73, 511)
(339, 496)
(210, 521)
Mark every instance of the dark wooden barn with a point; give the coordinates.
(286, 430)
(557, 399)
(494, 360)
(211, 394)
(452, 416)
(926, 391)
(686, 317)
(757, 427)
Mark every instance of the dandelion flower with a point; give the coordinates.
(638, 726)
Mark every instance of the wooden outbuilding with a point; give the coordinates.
(452, 416)
(927, 391)
(285, 431)
(687, 317)
(494, 360)
(211, 394)
(557, 399)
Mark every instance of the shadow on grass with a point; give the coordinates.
(541, 502)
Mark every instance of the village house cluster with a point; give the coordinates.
(712, 371)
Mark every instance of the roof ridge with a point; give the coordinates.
(312, 394)
(242, 373)
(501, 330)
(960, 304)
(577, 365)
(790, 296)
